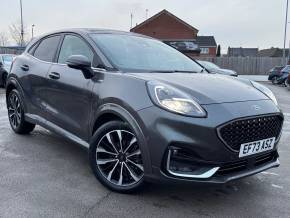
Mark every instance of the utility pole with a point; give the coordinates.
(32, 31)
(147, 12)
(131, 20)
(285, 33)
(22, 30)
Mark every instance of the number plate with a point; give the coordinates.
(256, 147)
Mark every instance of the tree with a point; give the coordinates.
(218, 53)
(3, 39)
(15, 32)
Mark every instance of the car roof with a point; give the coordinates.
(91, 31)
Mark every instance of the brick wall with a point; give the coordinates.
(166, 27)
(211, 52)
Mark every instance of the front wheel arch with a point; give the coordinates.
(134, 122)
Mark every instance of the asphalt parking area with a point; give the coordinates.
(43, 175)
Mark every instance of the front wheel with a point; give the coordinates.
(16, 114)
(116, 158)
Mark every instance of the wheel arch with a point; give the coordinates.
(111, 111)
(13, 84)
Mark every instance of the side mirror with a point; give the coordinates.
(1, 64)
(82, 63)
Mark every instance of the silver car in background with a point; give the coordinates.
(5, 65)
(213, 68)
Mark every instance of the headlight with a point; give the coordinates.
(174, 100)
(266, 91)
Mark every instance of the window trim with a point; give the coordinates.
(97, 60)
(40, 41)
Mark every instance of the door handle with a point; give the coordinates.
(24, 67)
(54, 75)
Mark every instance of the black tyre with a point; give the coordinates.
(116, 159)
(16, 114)
(4, 79)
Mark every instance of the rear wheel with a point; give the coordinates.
(16, 114)
(116, 158)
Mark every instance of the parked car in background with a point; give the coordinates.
(213, 68)
(284, 75)
(142, 109)
(288, 82)
(275, 73)
(5, 65)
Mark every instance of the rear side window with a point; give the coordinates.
(47, 48)
(73, 45)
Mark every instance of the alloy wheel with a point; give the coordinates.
(118, 158)
(275, 80)
(14, 110)
(286, 83)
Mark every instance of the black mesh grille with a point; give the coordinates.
(248, 130)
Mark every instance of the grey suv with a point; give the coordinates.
(142, 109)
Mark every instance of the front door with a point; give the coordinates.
(69, 93)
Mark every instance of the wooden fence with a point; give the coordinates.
(246, 65)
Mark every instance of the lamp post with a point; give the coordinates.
(285, 33)
(32, 31)
(22, 30)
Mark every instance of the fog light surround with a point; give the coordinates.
(180, 168)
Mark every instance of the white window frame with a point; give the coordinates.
(204, 50)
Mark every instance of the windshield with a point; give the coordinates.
(209, 65)
(128, 52)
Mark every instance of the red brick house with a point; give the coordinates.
(175, 32)
(207, 45)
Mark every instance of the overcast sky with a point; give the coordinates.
(235, 23)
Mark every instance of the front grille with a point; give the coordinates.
(247, 164)
(242, 131)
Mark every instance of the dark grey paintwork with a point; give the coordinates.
(73, 106)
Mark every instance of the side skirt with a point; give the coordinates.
(56, 129)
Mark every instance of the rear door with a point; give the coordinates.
(34, 67)
(69, 94)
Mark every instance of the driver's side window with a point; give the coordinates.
(73, 45)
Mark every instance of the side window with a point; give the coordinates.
(47, 48)
(32, 49)
(73, 45)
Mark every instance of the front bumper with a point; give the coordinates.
(163, 130)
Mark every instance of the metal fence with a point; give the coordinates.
(12, 50)
(246, 65)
